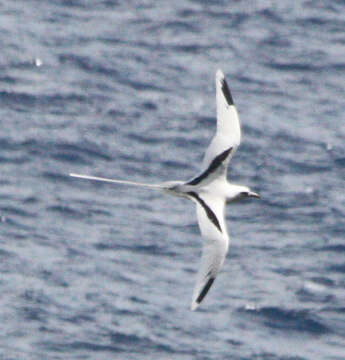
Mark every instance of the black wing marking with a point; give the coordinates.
(205, 290)
(210, 214)
(215, 164)
(226, 92)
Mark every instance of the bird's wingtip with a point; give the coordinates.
(194, 305)
(222, 85)
(219, 75)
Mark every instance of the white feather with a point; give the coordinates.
(215, 245)
(228, 132)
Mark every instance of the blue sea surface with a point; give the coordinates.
(125, 89)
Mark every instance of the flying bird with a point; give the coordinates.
(209, 190)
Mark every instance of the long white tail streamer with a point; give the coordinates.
(153, 186)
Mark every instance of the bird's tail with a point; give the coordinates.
(132, 183)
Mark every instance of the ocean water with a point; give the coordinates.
(125, 89)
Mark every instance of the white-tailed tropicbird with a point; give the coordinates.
(210, 190)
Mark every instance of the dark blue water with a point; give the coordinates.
(125, 89)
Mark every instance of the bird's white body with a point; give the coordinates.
(210, 190)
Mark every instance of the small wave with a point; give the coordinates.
(20, 100)
(307, 168)
(5, 255)
(151, 249)
(37, 297)
(81, 154)
(34, 313)
(316, 291)
(66, 211)
(175, 26)
(295, 66)
(340, 162)
(276, 41)
(87, 64)
(62, 151)
(53, 278)
(15, 211)
(336, 310)
(338, 268)
(116, 342)
(78, 345)
(18, 160)
(337, 248)
(8, 80)
(299, 321)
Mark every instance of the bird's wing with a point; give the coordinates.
(228, 134)
(210, 212)
(216, 168)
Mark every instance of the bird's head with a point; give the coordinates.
(241, 192)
